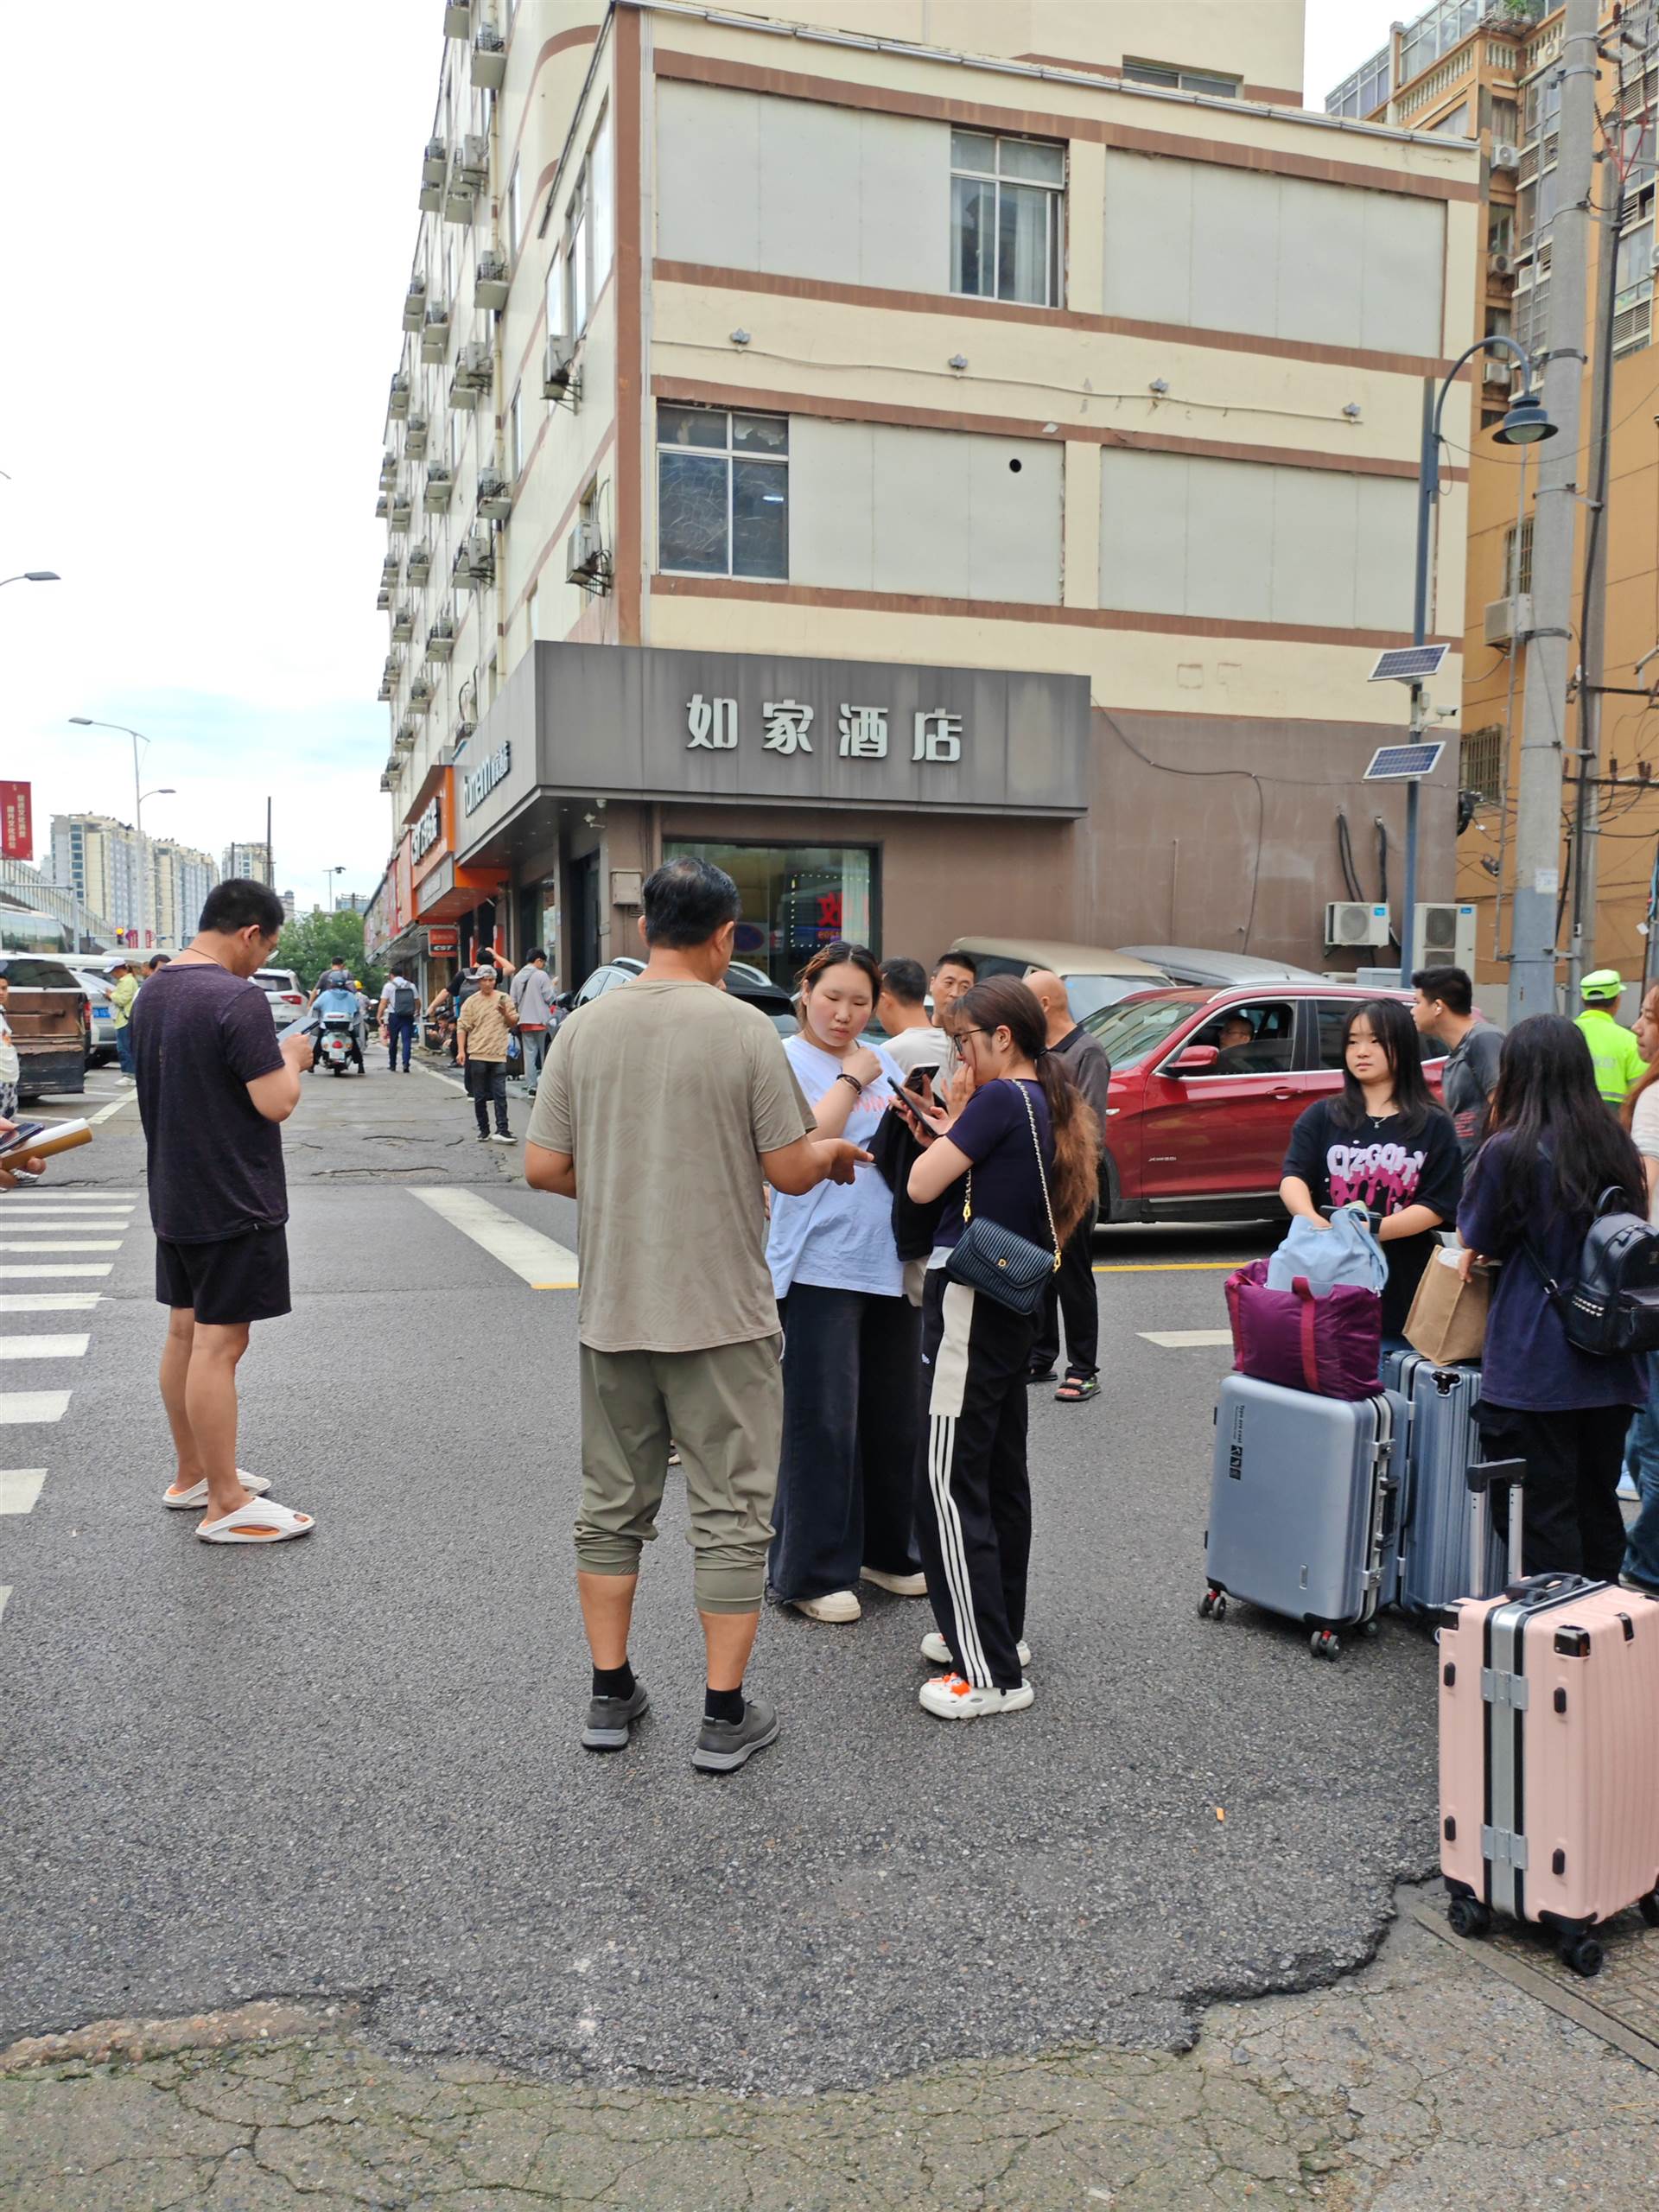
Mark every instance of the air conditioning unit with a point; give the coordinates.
(494, 494)
(559, 377)
(1508, 621)
(586, 562)
(414, 304)
(1350, 922)
(1500, 264)
(1498, 372)
(490, 285)
(457, 19)
(1443, 936)
(473, 158)
(480, 557)
(489, 60)
(1506, 158)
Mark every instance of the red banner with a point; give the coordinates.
(16, 822)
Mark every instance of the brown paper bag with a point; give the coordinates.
(1448, 1320)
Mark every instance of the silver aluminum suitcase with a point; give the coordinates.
(1303, 1505)
(1438, 1512)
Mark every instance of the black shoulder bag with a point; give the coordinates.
(1613, 1305)
(986, 1256)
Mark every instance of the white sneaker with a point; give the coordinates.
(951, 1699)
(898, 1586)
(936, 1651)
(1627, 1487)
(838, 1605)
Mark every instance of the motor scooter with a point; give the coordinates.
(340, 1050)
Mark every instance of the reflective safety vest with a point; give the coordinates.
(1618, 1057)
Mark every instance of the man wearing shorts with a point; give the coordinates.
(214, 1087)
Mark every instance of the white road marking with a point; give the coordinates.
(542, 1263)
(1185, 1340)
(105, 1112)
(43, 1347)
(52, 1241)
(94, 1193)
(32, 1405)
(49, 1301)
(5, 1592)
(24, 1274)
(67, 1217)
(19, 1488)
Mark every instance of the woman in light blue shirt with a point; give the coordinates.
(851, 1338)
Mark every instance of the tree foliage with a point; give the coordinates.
(311, 943)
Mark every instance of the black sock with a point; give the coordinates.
(613, 1681)
(723, 1705)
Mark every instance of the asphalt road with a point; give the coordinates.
(349, 1766)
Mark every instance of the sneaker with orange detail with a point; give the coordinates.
(938, 1652)
(950, 1697)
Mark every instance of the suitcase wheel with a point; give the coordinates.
(1213, 1605)
(1583, 1953)
(1324, 1644)
(1648, 1908)
(1469, 1916)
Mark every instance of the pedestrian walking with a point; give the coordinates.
(1017, 1149)
(11, 1068)
(1072, 1296)
(534, 992)
(485, 1026)
(852, 1340)
(1614, 1052)
(400, 1002)
(1552, 1154)
(1639, 1115)
(1444, 1007)
(1382, 1142)
(123, 990)
(214, 1087)
(913, 1041)
(662, 1107)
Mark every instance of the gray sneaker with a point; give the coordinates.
(725, 1745)
(610, 1721)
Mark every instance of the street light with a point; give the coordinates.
(33, 576)
(1526, 424)
(331, 873)
(86, 721)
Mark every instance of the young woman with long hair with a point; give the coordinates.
(1554, 1150)
(852, 1400)
(1382, 1141)
(1639, 1115)
(1030, 1142)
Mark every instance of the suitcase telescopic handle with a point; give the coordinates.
(1482, 1478)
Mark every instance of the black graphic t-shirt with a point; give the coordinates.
(1381, 1167)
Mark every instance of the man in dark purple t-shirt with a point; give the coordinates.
(214, 1087)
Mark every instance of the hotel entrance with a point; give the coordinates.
(796, 897)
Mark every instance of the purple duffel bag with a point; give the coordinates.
(1330, 1345)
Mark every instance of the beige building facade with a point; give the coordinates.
(98, 858)
(930, 368)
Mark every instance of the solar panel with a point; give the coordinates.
(1408, 664)
(1402, 761)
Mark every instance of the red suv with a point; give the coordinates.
(1206, 1088)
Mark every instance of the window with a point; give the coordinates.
(1454, 123)
(1254, 1039)
(1006, 198)
(588, 224)
(555, 325)
(602, 165)
(1332, 1017)
(1174, 79)
(577, 294)
(1500, 231)
(1480, 762)
(796, 899)
(722, 493)
(515, 223)
(1517, 558)
(516, 434)
(1366, 90)
(1506, 121)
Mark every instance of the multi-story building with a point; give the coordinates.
(954, 488)
(254, 860)
(180, 878)
(98, 858)
(1498, 67)
(288, 906)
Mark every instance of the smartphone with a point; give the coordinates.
(41, 1141)
(20, 1138)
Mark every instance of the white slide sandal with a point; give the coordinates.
(257, 1523)
(184, 1501)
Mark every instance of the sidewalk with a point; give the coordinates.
(1445, 2073)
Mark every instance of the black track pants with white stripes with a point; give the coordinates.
(973, 1495)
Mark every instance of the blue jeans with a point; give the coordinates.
(1642, 1545)
(399, 1024)
(123, 1047)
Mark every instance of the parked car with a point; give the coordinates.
(1094, 976)
(50, 1023)
(743, 981)
(1187, 963)
(1200, 1115)
(283, 994)
(100, 1043)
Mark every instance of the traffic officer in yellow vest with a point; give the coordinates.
(1616, 1055)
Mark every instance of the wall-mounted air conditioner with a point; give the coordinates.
(1508, 621)
(1351, 922)
(1506, 158)
(1443, 936)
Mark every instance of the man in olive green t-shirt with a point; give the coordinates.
(663, 1106)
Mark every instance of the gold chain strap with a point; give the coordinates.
(1042, 1177)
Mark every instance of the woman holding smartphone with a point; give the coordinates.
(851, 1392)
(1017, 1145)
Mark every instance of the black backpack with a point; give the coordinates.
(1614, 1305)
(403, 995)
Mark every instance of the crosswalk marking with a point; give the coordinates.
(94, 1216)
(49, 1241)
(19, 1488)
(1185, 1340)
(48, 1301)
(537, 1260)
(18, 1406)
(91, 1195)
(20, 1274)
(43, 1347)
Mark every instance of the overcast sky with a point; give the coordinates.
(206, 293)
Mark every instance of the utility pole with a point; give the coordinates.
(1538, 811)
(1593, 627)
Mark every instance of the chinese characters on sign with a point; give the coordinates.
(17, 827)
(711, 724)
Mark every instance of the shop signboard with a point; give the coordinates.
(16, 822)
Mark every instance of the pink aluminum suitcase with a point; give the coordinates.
(1549, 1747)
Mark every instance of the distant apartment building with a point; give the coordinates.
(248, 860)
(950, 496)
(181, 879)
(288, 906)
(98, 859)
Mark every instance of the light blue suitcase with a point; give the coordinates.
(1438, 1512)
(1303, 1506)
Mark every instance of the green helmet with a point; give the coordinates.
(1605, 985)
